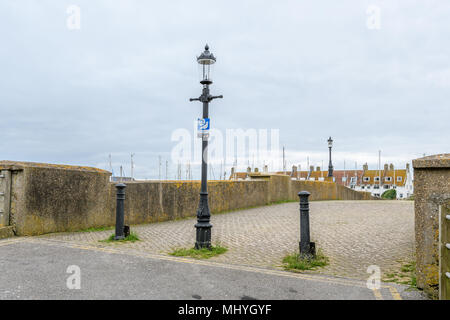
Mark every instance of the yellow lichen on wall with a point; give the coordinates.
(431, 273)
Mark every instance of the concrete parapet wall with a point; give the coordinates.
(324, 190)
(51, 198)
(431, 190)
(160, 201)
(55, 198)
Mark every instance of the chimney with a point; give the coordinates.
(365, 167)
(256, 170)
(386, 167)
(232, 170)
(249, 170)
(407, 167)
(294, 170)
(318, 169)
(266, 168)
(391, 167)
(311, 168)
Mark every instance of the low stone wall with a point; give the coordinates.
(55, 198)
(160, 201)
(50, 198)
(431, 190)
(324, 190)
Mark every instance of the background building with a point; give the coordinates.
(379, 181)
(374, 181)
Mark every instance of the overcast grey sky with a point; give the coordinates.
(312, 69)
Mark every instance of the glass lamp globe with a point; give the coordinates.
(206, 61)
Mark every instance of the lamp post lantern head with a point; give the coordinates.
(205, 62)
(330, 165)
(330, 142)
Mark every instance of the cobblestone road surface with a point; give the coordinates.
(353, 234)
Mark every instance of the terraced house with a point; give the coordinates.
(378, 181)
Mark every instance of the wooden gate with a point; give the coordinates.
(5, 197)
(444, 232)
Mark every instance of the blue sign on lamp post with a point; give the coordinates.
(203, 125)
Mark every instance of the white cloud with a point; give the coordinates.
(121, 83)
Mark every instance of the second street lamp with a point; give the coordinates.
(330, 165)
(203, 226)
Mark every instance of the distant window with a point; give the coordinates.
(386, 186)
(353, 179)
(362, 187)
(377, 179)
(401, 195)
(321, 179)
(376, 186)
(399, 178)
(344, 179)
(389, 179)
(366, 179)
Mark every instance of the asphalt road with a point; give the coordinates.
(32, 268)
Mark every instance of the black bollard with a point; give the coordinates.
(120, 211)
(307, 248)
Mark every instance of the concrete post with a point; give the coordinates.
(431, 191)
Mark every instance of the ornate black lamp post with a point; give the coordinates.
(203, 239)
(330, 165)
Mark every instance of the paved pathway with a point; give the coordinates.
(353, 234)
